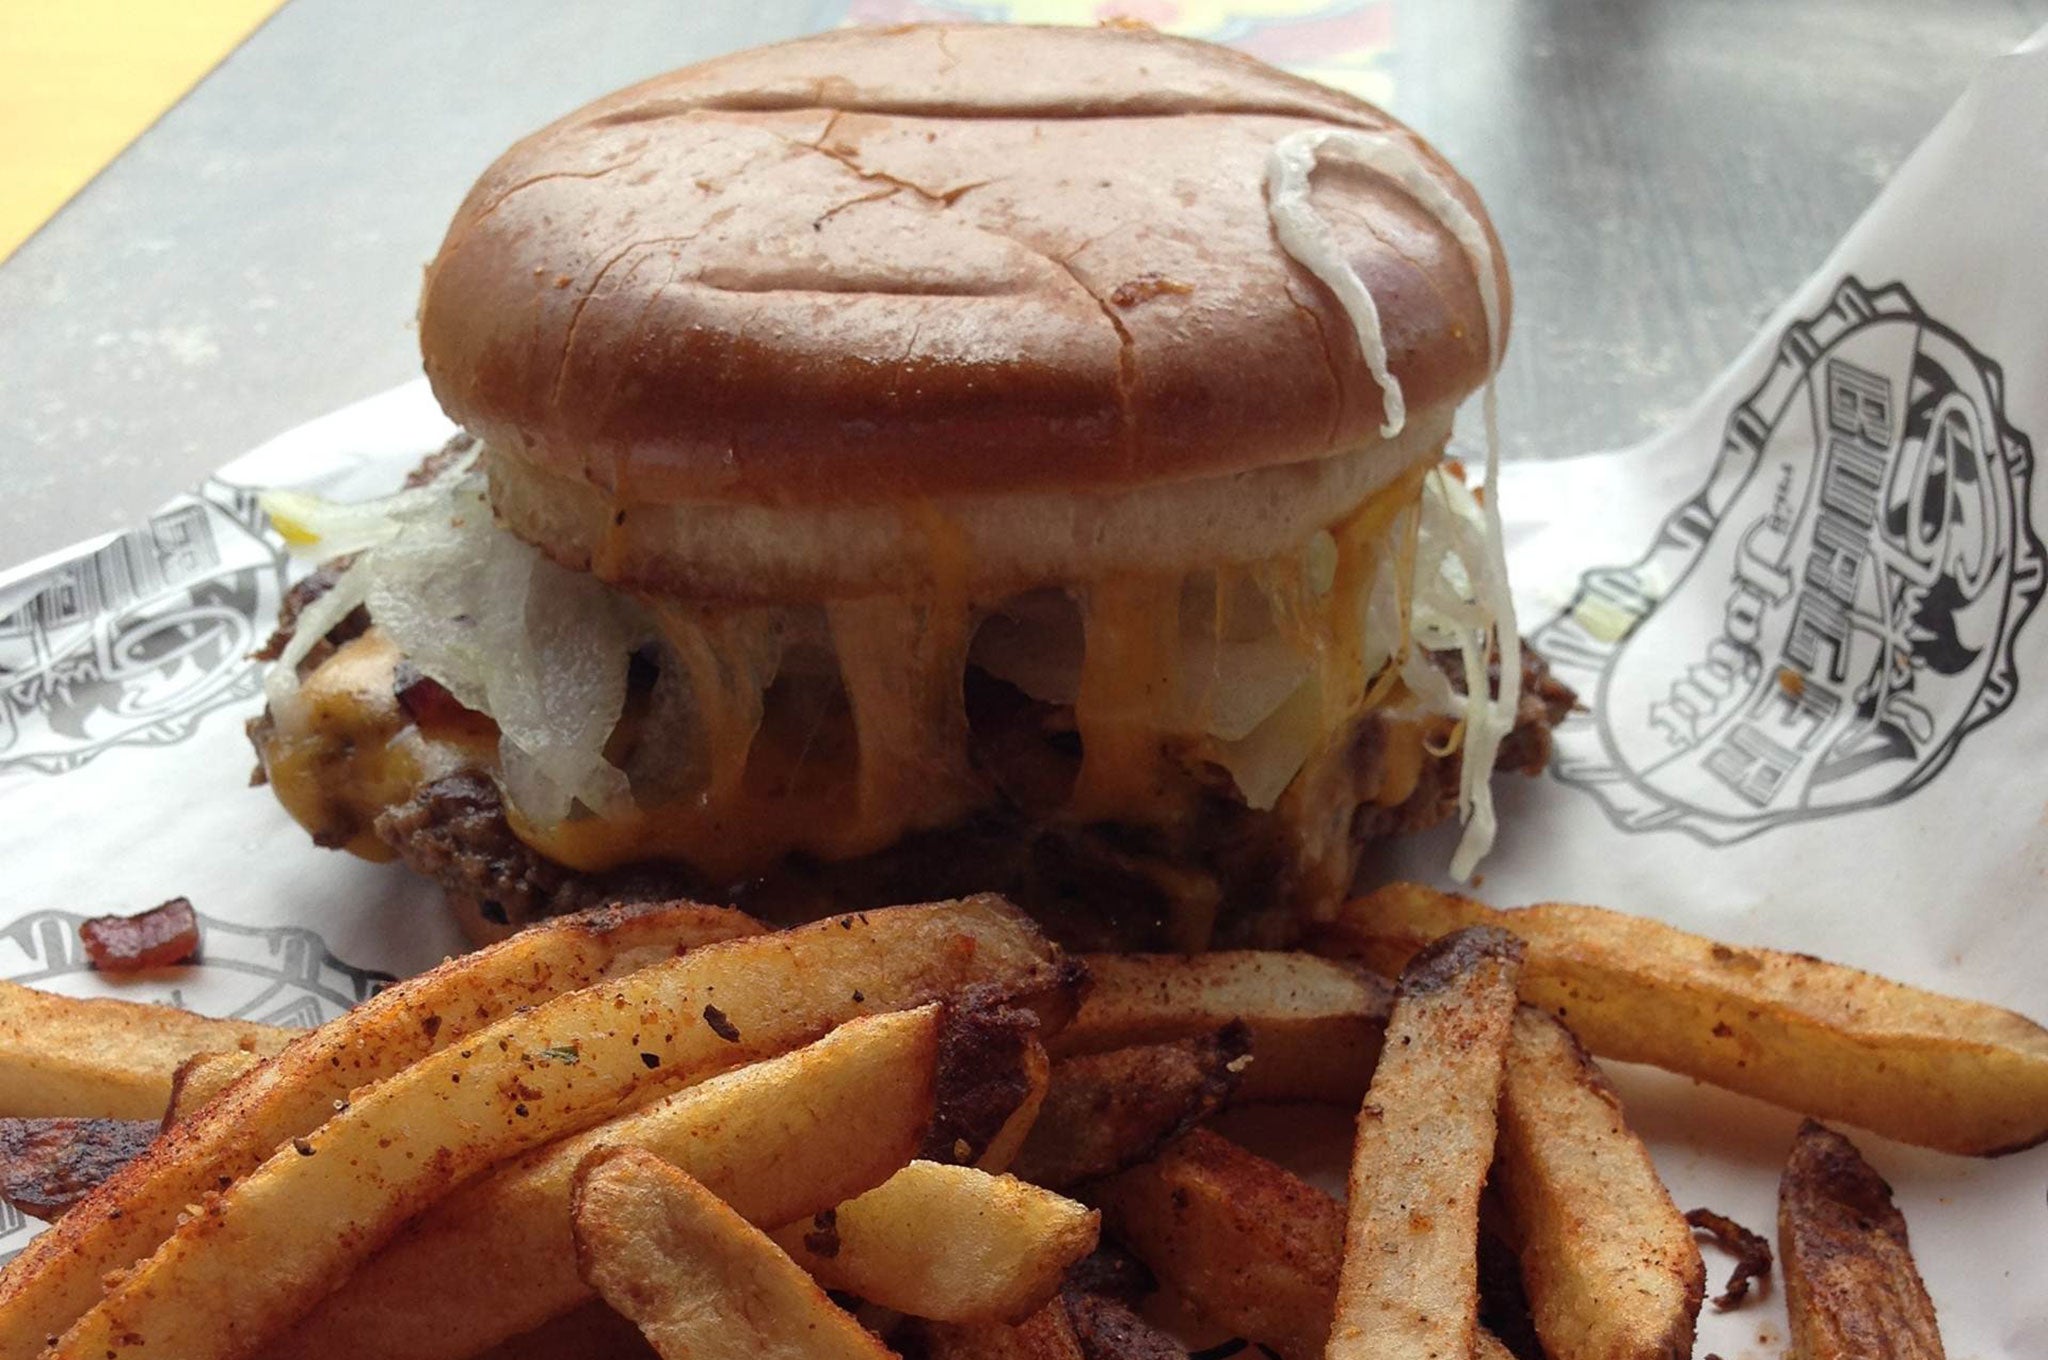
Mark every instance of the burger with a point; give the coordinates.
(905, 462)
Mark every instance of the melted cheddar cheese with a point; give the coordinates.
(836, 730)
(765, 788)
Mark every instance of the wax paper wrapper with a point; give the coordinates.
(1802, 620)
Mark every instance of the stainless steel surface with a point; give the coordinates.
(1662, 171)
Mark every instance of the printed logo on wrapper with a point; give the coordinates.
(280, 975)
(135, 641)
(1823, 624)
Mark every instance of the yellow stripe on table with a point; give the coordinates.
(81, 79)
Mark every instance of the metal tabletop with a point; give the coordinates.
(1663, 172)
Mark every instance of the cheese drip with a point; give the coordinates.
(1256, 667)
(1480, 619)
(835, 729)
(829, 732)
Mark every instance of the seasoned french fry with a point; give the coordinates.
(1250, 1245)
(290, 1232)
(63, 1056)
(203, 1076)
(1108, 1111)
(58, 1277)
(48, 1165)
(948, 1243)
(1315, 1023)
(1852, 1291)
(1817, 1037)
(495, 1258)
(1047, 1334)
(1608, 1261)
(1409, 1288)
(702, 1282)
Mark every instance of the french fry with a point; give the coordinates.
(275, 1242)
(1608, 1261)
(58, 1276)
(1852, 1291)
(1315, 1023)
(778, 1140)
(68, 1057)
(203, 1076)
(1834, 1042)
(1108, 1111)
(1250, 1245)
(948, 1243)
(48, 1165)
(701, 1282)
(1409, 1288)
(1047, 1334)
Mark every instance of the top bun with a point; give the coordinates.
(879, 265)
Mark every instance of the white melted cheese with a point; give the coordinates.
(1461, 599)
